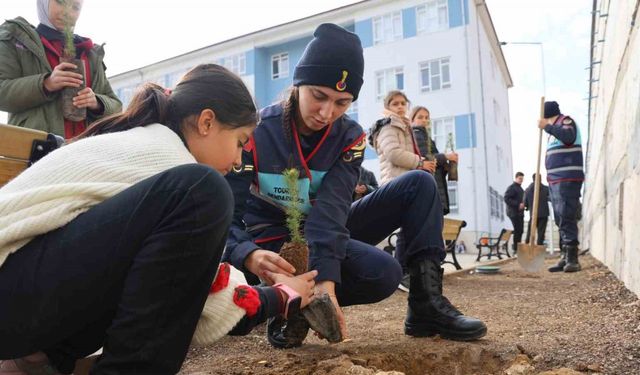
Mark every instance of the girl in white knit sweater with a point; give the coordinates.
(114, 240)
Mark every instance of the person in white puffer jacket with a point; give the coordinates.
(393, 140)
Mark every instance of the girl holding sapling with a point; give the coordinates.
(33, 77)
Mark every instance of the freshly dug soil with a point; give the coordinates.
(585, 322)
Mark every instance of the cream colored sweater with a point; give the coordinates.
(76, 177)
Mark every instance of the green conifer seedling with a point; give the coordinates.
(69, 46)
(293, 211)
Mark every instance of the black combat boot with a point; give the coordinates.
(430, 313)
(559, 267)
(285, 334)
(572, 259)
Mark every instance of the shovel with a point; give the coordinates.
(530, 255)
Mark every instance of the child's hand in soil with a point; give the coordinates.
(330, 288)
(260, 261)
(303, 284)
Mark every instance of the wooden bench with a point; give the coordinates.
(21, 147)
(495, 244)
(450, 232)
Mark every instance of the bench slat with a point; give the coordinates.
(15, 142)
(9, 168)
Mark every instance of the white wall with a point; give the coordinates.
(612, 187)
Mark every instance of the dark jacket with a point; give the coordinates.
(564, 160)
(543, 206)
(368, 179)
(23, 69)
(328, 163)
(513, 197)
(420, 135)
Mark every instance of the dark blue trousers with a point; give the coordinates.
(130, 275)
(409, 202)
(565, 198)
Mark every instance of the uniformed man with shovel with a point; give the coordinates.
(564, 163)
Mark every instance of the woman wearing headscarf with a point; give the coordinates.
(32, 76)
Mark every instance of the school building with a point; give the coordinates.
(444, 54)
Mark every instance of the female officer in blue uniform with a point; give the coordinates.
(309, 131)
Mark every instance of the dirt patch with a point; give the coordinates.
(585, 322)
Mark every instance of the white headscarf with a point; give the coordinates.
(43, 13)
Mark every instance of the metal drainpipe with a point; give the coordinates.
(484, 124)
(472, 149)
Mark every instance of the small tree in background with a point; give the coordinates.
(453, 166)
(70, 111)
(69, 46)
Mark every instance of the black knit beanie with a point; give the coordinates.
(551, 109)
(333, 59)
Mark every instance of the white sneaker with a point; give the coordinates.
(404, 283)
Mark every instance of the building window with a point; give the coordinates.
(432, 16)
(280, 66)
(452, 187)
(440, 129)
(435, 75)
(236, 63)
(387, 80)
(387, 28)
(497, 204)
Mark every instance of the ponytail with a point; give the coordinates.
(289, 106)
(148, 106)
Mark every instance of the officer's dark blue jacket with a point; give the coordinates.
(328, 163)
(564, 160)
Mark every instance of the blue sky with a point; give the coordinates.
(144, 31)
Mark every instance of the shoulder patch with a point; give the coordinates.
(567, 121)
(242, 168)
(355, 150)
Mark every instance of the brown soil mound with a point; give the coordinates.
(585, 322)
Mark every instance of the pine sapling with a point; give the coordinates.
(69, 110)
(69, 46)
(293, 212)
(296, 250)
(453, 165)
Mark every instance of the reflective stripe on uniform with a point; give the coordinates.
(562, 169)
(564, 150)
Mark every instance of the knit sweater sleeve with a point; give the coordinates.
(76, 177)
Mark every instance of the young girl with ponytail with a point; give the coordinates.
(114, 240)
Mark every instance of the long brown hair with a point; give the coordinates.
(392, 94)
(289, 107)
(207, 86)
(417, 109)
